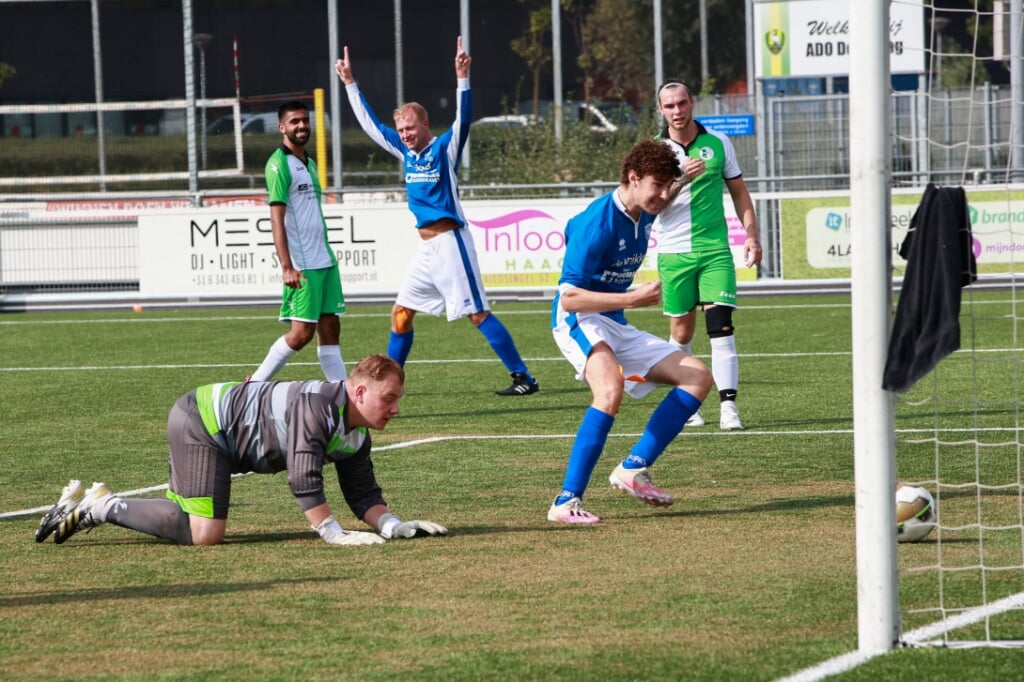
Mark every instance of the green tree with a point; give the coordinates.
(534, 46)
(727, 44)
(575, 13)
(614, 29)
(962, 47)
(6, 71)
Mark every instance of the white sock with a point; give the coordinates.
(725, 363)
(277, 357)
(331, 363)
(685, 347)
(100, 511)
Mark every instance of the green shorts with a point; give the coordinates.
(320, 294)
(691, 278)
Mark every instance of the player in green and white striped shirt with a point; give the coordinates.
(312, 298)
(695, 262)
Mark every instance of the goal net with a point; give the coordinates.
(119, 145)
(958, 429)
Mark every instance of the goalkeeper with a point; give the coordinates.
(260, 427)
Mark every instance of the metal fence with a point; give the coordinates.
(800, 143)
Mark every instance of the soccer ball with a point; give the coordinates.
(915, 513)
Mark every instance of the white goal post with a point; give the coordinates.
(970, 449)
(97, 110)
(871, 268)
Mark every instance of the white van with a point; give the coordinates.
(265, 122)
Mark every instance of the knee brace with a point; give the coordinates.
(402, 320)
(719, 321)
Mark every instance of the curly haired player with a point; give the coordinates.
(605, 246)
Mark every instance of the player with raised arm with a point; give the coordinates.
(261, 427)
(605, 246)
(444, 276)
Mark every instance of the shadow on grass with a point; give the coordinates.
(173, 591)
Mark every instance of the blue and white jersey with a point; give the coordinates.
(604, 247)
(431, 177)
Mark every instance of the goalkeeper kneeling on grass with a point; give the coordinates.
(261, 427)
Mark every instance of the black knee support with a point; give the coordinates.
(719, 321)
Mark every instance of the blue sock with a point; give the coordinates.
(665, 424)
(586, 450)
(399, 346)
(501, 341)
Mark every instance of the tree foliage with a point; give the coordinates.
(534, 46)
(6, 71)
(614, 29)
(612, 41)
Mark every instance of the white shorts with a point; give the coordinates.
(444, 276)
(638, 351)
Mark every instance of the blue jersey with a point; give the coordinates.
(431, 176)
(604, 248)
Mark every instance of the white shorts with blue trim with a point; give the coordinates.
(638, 351)
(444, 277)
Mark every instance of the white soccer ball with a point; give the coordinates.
(915, 513)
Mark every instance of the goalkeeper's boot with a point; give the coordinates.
(695, 419)
(72, 494)
(88, 514)
(638, 483)
(522, 384)
(730, 420)
(571, 511)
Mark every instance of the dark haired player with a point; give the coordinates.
(605, 246)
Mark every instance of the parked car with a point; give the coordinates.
(265, 122)
(507, 121)
(600, 117)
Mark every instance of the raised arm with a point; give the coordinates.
(462, 60)
(343, 67)
(384, 136)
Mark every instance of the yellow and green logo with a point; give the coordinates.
(775, 40)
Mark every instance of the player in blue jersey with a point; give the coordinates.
(605, 246)
(444, 276)
(299, 427)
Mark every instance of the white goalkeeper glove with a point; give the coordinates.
(330, 530)
(391, 528)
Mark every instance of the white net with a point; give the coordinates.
(127, 144)
(959, 427)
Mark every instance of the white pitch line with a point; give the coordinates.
(833, 666)
(232, 365)
(144, 319)
(441, 439)
(693, 433)
(919, 637)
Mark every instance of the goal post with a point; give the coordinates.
(871, 270)
(958, 430)
(140, 121)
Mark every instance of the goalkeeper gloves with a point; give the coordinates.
(330, 530)
(391, 528)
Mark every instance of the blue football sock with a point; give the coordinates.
(399, 346)
(586, 450)
(501, 341)
(665, 424)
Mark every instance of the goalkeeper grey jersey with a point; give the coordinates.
(293, 426)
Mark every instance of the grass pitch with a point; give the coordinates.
(749, 576)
